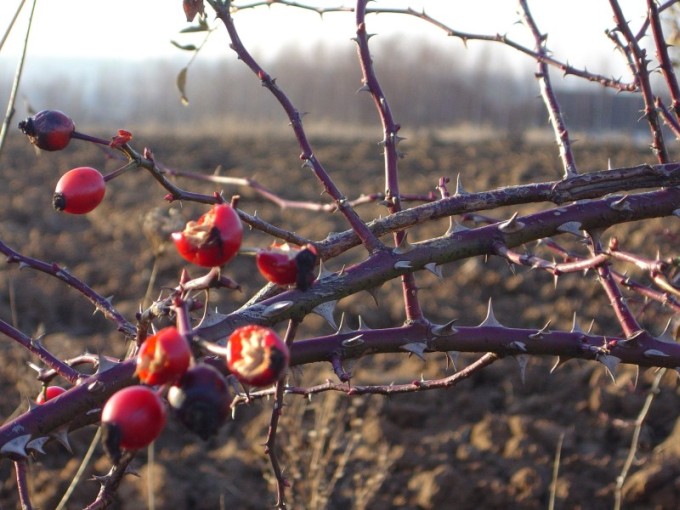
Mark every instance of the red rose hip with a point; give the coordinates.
(163, 357)
(213, 240)
(79, 190)
(49, 393)
(257, 356)
(132, 419)
(277, 263)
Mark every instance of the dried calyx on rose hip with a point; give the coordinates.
(284, 264)
(49, 130)
(306, 262)
(79, 190)
(163, 358)
(213, 240)
(131, 419)
(257, 356)
(48, 393)
(201, 400)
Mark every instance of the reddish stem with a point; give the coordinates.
(370, 242)
(390, 140)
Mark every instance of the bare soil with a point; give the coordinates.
(491, 442)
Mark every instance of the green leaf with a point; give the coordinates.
(186, 47)
(181, 85)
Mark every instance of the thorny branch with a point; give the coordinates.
(584, 206)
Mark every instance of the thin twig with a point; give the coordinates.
(635, 440)
(81, 470)
(17, 80)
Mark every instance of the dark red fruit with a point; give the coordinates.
(79, 190)
(213, 240)
(50, 130)
(256, 355)
(163, 358)
(201, 400)
(49, 393)
(131, 419)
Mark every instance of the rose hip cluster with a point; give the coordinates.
(197, 393)
(171, 379)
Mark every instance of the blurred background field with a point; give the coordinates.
(488, 443)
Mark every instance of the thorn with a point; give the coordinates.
(404, 246)
(460, 190)
(34, 367)
(61, 436)
(417, 348)
(403, 264)
(522, 361)
(455, 228)
(104, 364)
(543, 331)
(323, 272)
(355, 341)
(610, 363)
(518, 346)
(635, 335)
(38, 341)
(445, 329)
(575, 328)
(452, 358)
(667, 333)
(655, 353)
(362, 325)
(435, 270)
(326, 310)
(512, 225)
(344, 327)
(276, 308)
(621, 204)
(490, 320)
(16, 446)
(558, 363)
(109, 301)
(37, 444)
(590, 327)
(571, 227)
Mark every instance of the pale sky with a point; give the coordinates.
(143, 28)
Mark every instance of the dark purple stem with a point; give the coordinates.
(549, 98)
(639, 59)
(390, 140)
(270, 445)
(629, 324)
(35, 347)
(22, 484)
(370, 242)
(454, 246)
(101, 304)
(665, 62)
(77, 407)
